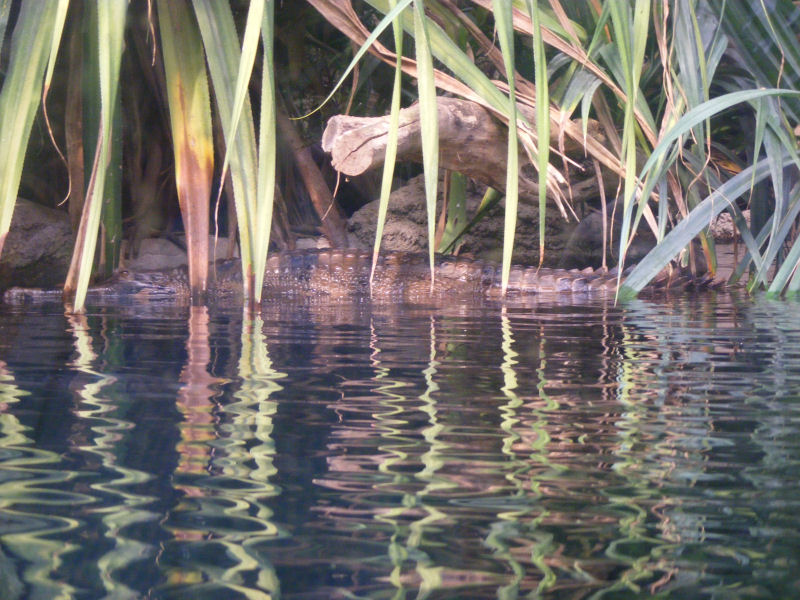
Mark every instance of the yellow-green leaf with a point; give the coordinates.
(19, 99)
(190, 120)
(110, 30)
(221, 44)
(429, 121)
(505, 33)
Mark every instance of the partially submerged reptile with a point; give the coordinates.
(343, 274)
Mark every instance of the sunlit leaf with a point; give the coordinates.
(542, 117)
(190, 120)
(703, 112)
(630, 34)
(685, 231)
(265, 184)
(391, 144)
(429, 122)
(110, 29)
(20, 96)
(58, 28)
(256, 21)
(221, 44)
(505, 33)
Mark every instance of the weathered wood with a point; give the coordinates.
(471, 141)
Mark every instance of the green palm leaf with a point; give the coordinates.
(685, 231)
(429, 122)
(110, 29)
(221, 44)
(31, 44)
(391, 142)
(505, 33)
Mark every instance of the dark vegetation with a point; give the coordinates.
(680, 109)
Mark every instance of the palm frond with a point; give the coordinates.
(110, 16)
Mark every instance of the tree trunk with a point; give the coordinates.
(471, 142)
(333, 223)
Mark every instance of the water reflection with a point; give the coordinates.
(392, 452)
(118, 509)
(221, 514)
(23, 532)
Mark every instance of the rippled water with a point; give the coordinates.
(349, 451)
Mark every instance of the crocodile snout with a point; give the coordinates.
(152, 284)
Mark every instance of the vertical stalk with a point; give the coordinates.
(190, 118)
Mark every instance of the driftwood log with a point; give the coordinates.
(471, 142)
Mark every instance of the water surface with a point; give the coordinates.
(554, 450)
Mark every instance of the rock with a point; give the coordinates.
(153, 253)
(584, 247)
(406, 227)
(161, 253)
(569, 244)
(723, 228)
(38, 247)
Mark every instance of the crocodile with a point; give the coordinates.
(345, 274)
